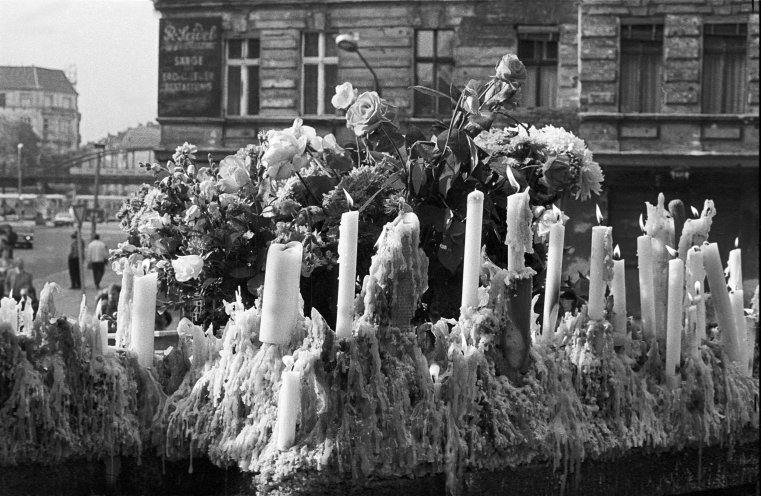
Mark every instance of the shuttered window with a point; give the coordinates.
(724, 68)
(538, 50)
(641, 68)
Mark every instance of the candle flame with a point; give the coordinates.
(349, 199)
(698, 287)
(695, 211)
(642, 224)
(288, 361)
(737, 242)
(617, 252)
(558, 213)
(671, 251)
(748, 311)
(511, 178)
(434, 370)
(689, 297)
(598, 213)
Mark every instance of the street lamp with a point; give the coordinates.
(99, 147)
(19, 147)
(349, 42)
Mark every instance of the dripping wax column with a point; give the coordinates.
(143, 317)
(738, 309)
(675, 315)
(695, 276)
(646, 287)
(347, 273)
(288, 406)
(281, 292)
(721, 303)
(597, 285)
(554, 272)
(734, 268)
(124, 307)
(618, 290)
(518, 230)
(471, 264)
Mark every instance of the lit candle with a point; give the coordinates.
(124, 307)
(280, 301)
(646, 290)
(694, 278)
(695, 231)
(471, 265)
(554, 273)
(519, 235)
(347, 273)
(660, 227)
(700, 304)
(103, 330)
(675, 315)
(738, 309)
(434, 371)
(601, 241)
(691, 334)
(618, 290)
(734, 268)
(721, 302)
(143, 318)
(750, 342)
(289, 403)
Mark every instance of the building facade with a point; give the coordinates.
(664, 91)
(47, 100)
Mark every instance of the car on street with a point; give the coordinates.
(63, 219)
(24, 235)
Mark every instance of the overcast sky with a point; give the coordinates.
(112, 43)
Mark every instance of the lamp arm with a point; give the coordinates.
(375, 76)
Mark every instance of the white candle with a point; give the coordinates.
(700, 304)
(675, 315)
(143, 317)
(646, 289)
(281, 292)
(434, 370)
(691, 334)
(750, 342)
(554, 273)
(289, 403)
(471, 265)
(618, 290)
(347, 273)
(8, 313)
(103, 330)
(721, 303)
(124, 307)
(597, 270)
(738, 309)
(519, 236)
(734, 269)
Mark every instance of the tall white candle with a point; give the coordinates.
(143, 317)
(618, 290)
(750, 342)
(721, 303)
(691, 333)
(471, 265)
(103, 330)
(124, 307)
(554, 273)
(597, 269)
(280, 300)
(289, 403)
(734, 268)
(738, 309)
(700, 304)
(646, 289)
(674, 316)
(519, 236)
(347, 273)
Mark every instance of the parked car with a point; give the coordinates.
(24, 235)
(63, 219)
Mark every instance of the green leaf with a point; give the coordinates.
(417, 173)
(433, 93)
(393, 182)
(431, 215)
(320, 185)
(242, 272)
(341, 162)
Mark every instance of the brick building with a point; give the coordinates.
(664, 91)
(47, 100)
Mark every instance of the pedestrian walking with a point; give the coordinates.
(18, 282)
(97, 255)
(11, 239)
(74, 251)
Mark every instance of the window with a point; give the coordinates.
(319, 72)
(434, 65)
(2, 100)
(538, 50)
(26, 100)
(641, 67)
(243, 76)
(724, 53)
(45, 128)
(48, 101)
(67, 102)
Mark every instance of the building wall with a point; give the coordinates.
(53, 116)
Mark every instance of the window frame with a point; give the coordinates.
(320, 60)
(657, 29)
(244, 62)
(741, 32)
(533, 34)
(435, 60)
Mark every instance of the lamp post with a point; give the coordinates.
(349, 42)
(20, 146)
(100, 147)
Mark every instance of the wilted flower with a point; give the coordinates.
(345, 95)
(187, 267)
(368, 113)
(286, 149)
(510, 69)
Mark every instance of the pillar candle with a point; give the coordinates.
(700, 304)
(347, 272)
(143, 317)
(750, 342)
(646, 290)
(8, 313)
(518, 230)
(124, 307)
(618, 290)
(734, 269)
(721, 303)
(738, 310)
(597, 277)
(674, 319)
(103, 330)
(552, 285)
(281, 292)
(694, 278)
(288, 406)
(691, 333)
(471, 265)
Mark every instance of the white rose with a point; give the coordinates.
(193, 212)
(344, 97)
(233, 174)
(187, 267)
(283, 148)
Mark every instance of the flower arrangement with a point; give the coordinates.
(294, 185)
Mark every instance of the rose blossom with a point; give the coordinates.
(511, 69)
(233, 174)
(368, 113)
(187, 267)
(345, 95)
(193, 212)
